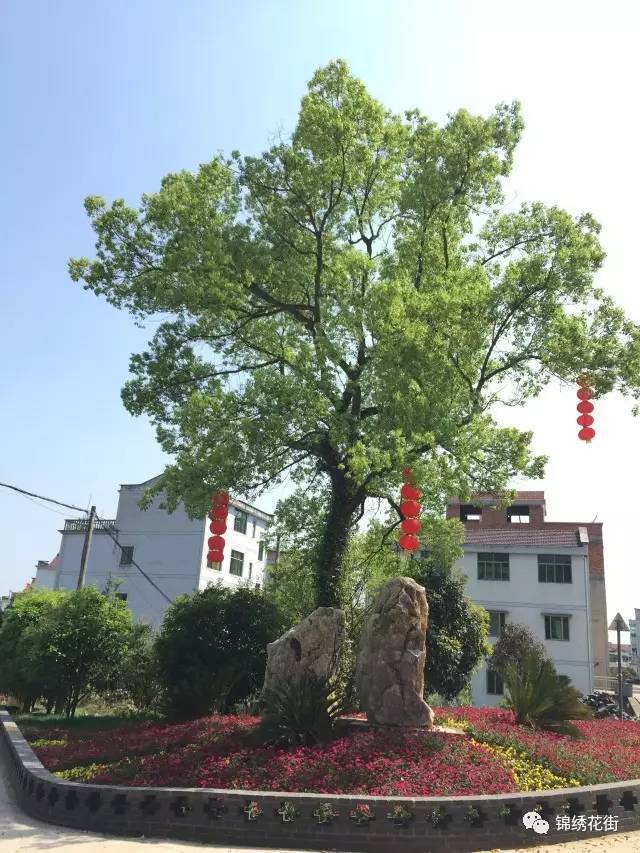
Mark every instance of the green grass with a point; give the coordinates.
(82, 722)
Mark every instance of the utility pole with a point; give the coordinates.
(619, 625)
(86, 547)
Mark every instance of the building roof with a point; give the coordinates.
(517, 536)
(624, 647)
(520, 497)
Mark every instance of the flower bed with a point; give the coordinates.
(609, 750)
(217, 752)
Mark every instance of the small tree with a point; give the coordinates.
(84, 641)
(212, 649)
(21, 671)
(512, 648)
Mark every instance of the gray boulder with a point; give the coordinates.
(310, 649)
(393, 651)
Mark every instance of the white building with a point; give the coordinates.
(525, 570)
(46, 573)
(170, 548)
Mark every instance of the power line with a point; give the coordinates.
(104, 529)
(42, 498)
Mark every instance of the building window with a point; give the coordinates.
(240, 521)
(495, 685)
(237, 562)
(261, 549)
(556, 627)
(470, 513)
(122, 596)
(518, 515)
(497, 620)
(250, 570)
(493, 567)
(554, 568)
(254, 528)
(126, 555)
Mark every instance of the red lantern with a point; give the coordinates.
(410, 493)
(215, 557)
(219, 513)
(218, 525)
(585, 407)
(220, 499)
(409, 543)
(407, 475)
(410, 525)
(584, 420)
(410, 509)
(585, 394)
(215, 543)
(586, 434)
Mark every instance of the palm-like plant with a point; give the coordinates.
(541, 699)
(302, 712)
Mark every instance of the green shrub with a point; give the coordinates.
(302, 712)
(212, 650)
(540, 698)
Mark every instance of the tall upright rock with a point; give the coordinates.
(310, 649)
(393, 651)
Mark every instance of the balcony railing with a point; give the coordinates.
(603, 682)
(80, 525)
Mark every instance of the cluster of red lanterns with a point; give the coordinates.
(218, 516)
(585, 407)
(410, 510)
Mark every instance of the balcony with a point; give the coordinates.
(80, 525)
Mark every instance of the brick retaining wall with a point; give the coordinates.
(223, 817)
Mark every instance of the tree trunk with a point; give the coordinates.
(342, 505)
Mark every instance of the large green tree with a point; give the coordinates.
(351, 302)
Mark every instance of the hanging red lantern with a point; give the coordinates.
(584, 420)
(220, 499)
(586, 434)
(218, 525)
(410, 509)
(585, 407)
(215, 557)
(215, 543)
(219, 512)
(410, 493)
(410, 525)
(409, 542)
(585, 394)
(407, 475)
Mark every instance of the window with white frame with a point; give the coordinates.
(236, 563)
(493, 567)
(497, 621)
(554, 568)
(261, 549)
(240, 521)
(556, 627)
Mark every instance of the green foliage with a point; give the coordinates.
(211, 649)
(64, 645)
(337, 309)
(516, 643)
(23, 673)
(302, 712)
(540, 698)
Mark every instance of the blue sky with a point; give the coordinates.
(108, 97)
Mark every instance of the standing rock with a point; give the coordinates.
(390, 671)
(310, 649)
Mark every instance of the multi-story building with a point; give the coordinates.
(170, 548)
(548, 576)
(625, 655)
(634, 641)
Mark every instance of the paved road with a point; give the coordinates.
(21, 834)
